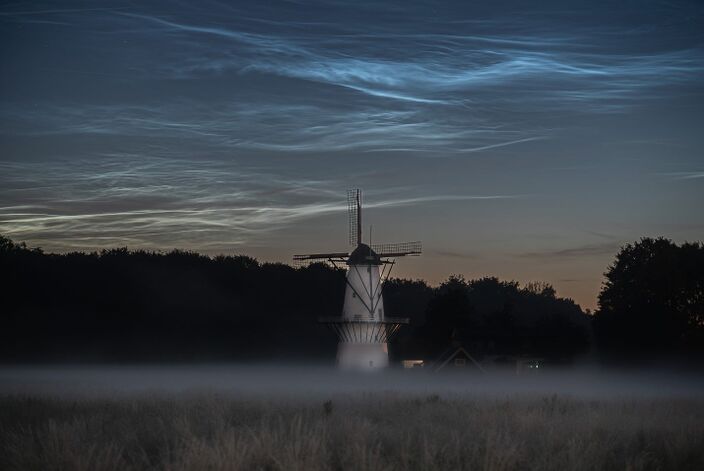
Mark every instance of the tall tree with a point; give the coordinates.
(653, 298)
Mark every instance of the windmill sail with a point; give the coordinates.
(398, 249)
(321, 256)
(354, 213)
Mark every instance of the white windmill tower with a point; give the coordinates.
(363, 329)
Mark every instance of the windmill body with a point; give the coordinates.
(363, 312)
(363, 329)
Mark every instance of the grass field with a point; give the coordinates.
(375, 431)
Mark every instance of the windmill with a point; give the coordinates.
(363, 330)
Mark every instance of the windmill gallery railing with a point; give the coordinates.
(365, 331)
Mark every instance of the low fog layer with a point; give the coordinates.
(315, 381)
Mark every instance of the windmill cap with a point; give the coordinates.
(363, 255)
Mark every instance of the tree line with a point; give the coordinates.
(137, 305)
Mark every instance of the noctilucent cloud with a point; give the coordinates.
(525, 140)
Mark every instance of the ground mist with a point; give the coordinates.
(372, 431)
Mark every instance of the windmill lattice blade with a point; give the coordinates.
(398, 249)
(353, 216)
(320, 256)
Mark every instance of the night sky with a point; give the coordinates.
(526, 140)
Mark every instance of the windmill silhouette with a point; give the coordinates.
(363, 330)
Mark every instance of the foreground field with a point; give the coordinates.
(363, 431)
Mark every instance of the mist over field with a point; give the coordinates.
(265, 417)
(323, 382)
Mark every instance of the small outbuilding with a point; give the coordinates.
(456, 358)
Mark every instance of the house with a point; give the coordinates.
(456, 358)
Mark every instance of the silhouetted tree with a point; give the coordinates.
(653, 298)
(448, 311)
(499, 317)
(132, 305)
(541, 288)
(122, 304)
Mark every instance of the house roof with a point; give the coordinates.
(452, 353)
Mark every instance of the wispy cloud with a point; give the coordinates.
(438, 198)
(501, 144)
(270, 127)
(683, 175)
(586, 250)
(346, 81)
(155, 203)
(441, 69)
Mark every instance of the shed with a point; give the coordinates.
(456, 358)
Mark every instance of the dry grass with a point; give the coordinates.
(364, 432)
